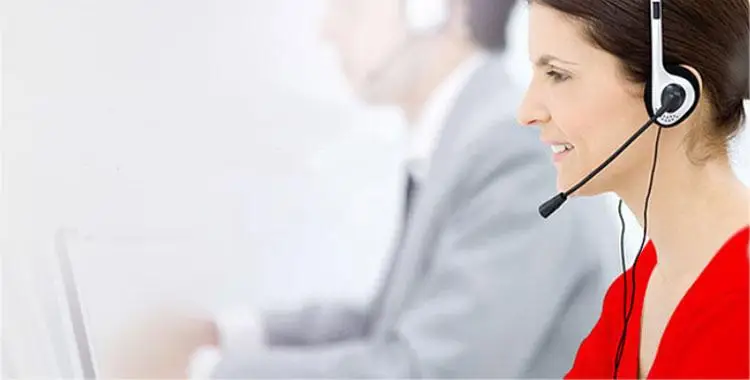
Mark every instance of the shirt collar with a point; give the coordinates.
(425, 133)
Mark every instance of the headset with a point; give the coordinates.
(663, 76)
(671, 95)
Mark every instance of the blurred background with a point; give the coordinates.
(197, 153)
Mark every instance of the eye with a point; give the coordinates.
(557, 76)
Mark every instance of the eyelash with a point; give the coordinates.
(557, 77)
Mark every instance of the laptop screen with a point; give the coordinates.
(74, 308)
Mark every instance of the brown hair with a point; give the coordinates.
(488, 22)
(708, 35)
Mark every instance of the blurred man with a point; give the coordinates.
(479, 284)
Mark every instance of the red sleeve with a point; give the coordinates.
(719, 347)
(595, 356)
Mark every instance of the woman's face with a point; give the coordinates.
(583, 103)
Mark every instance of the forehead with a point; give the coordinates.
(551, 32)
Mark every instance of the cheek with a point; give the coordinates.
(367, 35)
(597, 125)
(591, 141)
(596, 119)
(366, 49)
(579, 117)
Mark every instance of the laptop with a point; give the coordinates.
(82, 343)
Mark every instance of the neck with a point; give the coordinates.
(692, 210)
(450, 56)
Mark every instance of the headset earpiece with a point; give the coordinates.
(425, 16)
(687, 81)
(668, 81)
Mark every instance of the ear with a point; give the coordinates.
(458, 6)
(689, 77)
(694, 76)
(458, 17)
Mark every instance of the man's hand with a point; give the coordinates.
(160, 346)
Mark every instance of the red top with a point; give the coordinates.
(706, 337)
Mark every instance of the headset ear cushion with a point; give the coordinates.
(679, 71)
(425, 16)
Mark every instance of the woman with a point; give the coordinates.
(591, 61)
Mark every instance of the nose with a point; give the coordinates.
(532, 110)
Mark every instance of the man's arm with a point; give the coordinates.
(244, 331)
(496, 284)
(314, 325)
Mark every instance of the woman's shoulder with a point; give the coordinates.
(728, 270)
(738, 245)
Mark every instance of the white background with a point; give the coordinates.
(206, 153)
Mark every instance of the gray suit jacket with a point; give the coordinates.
(482, 286)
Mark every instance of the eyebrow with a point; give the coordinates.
(546, 59)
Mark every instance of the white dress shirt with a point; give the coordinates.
(242, 329)
(239, 329)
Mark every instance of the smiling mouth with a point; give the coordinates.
(561, 148)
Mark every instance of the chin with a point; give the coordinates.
(373, 95)
(567, 180)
